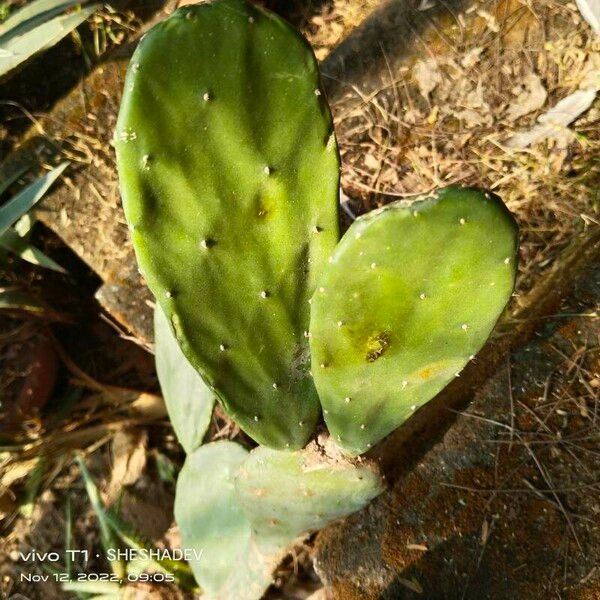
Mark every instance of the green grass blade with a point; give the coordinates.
(17, 206)
(107, 537)
(32, 486)
(179, 569)
(68, 537)
(17, 300)
(108, 589)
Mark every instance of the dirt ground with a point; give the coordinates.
(424, 95)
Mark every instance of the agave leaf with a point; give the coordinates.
(17, 206)
(34, 13)
(28, 37)
(24, 225)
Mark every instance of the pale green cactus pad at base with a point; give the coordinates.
(409, 296)
(229, 174)
(188, 399)
(228, 563)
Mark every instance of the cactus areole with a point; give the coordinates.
(229, 175)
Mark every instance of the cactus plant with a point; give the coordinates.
(229, 176)
(229, 173)
(409, 296)
(241, 512)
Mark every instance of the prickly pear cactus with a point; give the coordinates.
(409, 296)
(242, 512)
(229, 174)
(287, 494)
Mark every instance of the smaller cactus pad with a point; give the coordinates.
(409, 296)
(287, 494)
(229, 564)
(188, 399)
(229, 174)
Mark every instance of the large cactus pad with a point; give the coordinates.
(409, 296)
(229, 175)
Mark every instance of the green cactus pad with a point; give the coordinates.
(285, 494)
(229, 174)
(188, 399)
(228, 563)
(409, 296)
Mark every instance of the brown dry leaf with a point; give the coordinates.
(7, 504)
(411, 584)
(485, 532)
(530, 96)
(476, 111)
(427, 75)
(172, 537)
(187, 2)
(490, 20)
(129, 459)
(16, 471)
(150, 406)
(590, 11)
(413, 116)
(420, 547)
(590, 73)
(389, 176)
(147, 591)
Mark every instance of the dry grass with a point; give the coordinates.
(334, 22)
(447, 117)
